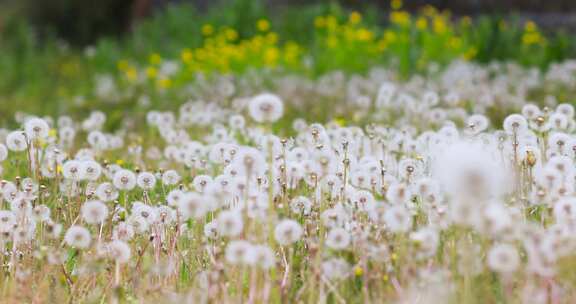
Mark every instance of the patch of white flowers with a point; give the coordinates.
(431, 193)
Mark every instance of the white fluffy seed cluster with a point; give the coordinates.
(434, 179)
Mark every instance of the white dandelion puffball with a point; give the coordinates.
(94, 212)
(230, 223)
(398, 219)
(106, 192)
(192, 205)
(91, 170)
(238, 252)
(72, 170)
(469, 170)
(123, 232)
(146, 180)
(170, 177)
(119, 251)
(36, 128)
(503, 258)
(78, 237)
(211, 230)
(144, 211)
(338, 239)
(266, 108)
(301, 205)
(335, 268)
(3, 152)
(41, 213)
(16, 141)
(124, 180)
(7, 220)
(515, 124)
(263, 256)
(249, 162)
(288, 232)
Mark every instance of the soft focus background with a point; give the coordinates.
(249, 151)
(68, 55)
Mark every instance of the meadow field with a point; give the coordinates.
(310, 154)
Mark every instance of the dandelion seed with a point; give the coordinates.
(106, 192)
(124, 180)
(7, 220)
(41, 213)
(230, 223)
(301, 205)
(336, 269)
(16, 141)
(146, 180)
(238, 252)
(146, 212)
(170, 177)
(263, 257)
(90, 170)
(211, 230)
(288, 232)
(515, 124)
(36, 128)
(119, 251)
(3, 152)
(266, 108)
(338, 239)
(53, 229)
(503, 258)
(77, 236)
(398, 219)
(139, 224)
(94, 212)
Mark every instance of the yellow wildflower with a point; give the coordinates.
(421, 23)
(164, 83)
(52, 133)
(207, 29)
(331, 22)
(155, 59)
(186, 55)
(131, 74)
(263, 25)
(439, 25)
(320, 22)
(122, 64)
(400, 18)
(530, 26)
(396, 4)
(271, 56)
(355, 18)
(151, 72)
(455, 42)
(231, 34)
(364, 34)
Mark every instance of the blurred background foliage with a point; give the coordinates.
(53, 52)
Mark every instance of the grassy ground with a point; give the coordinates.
(308, 155)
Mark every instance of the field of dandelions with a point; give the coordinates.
(455, 184)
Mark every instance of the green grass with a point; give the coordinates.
(47, 76)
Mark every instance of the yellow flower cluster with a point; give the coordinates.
(412, 41)
(348, 34)
(222, 51)
(532, 35)
(415, 39)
